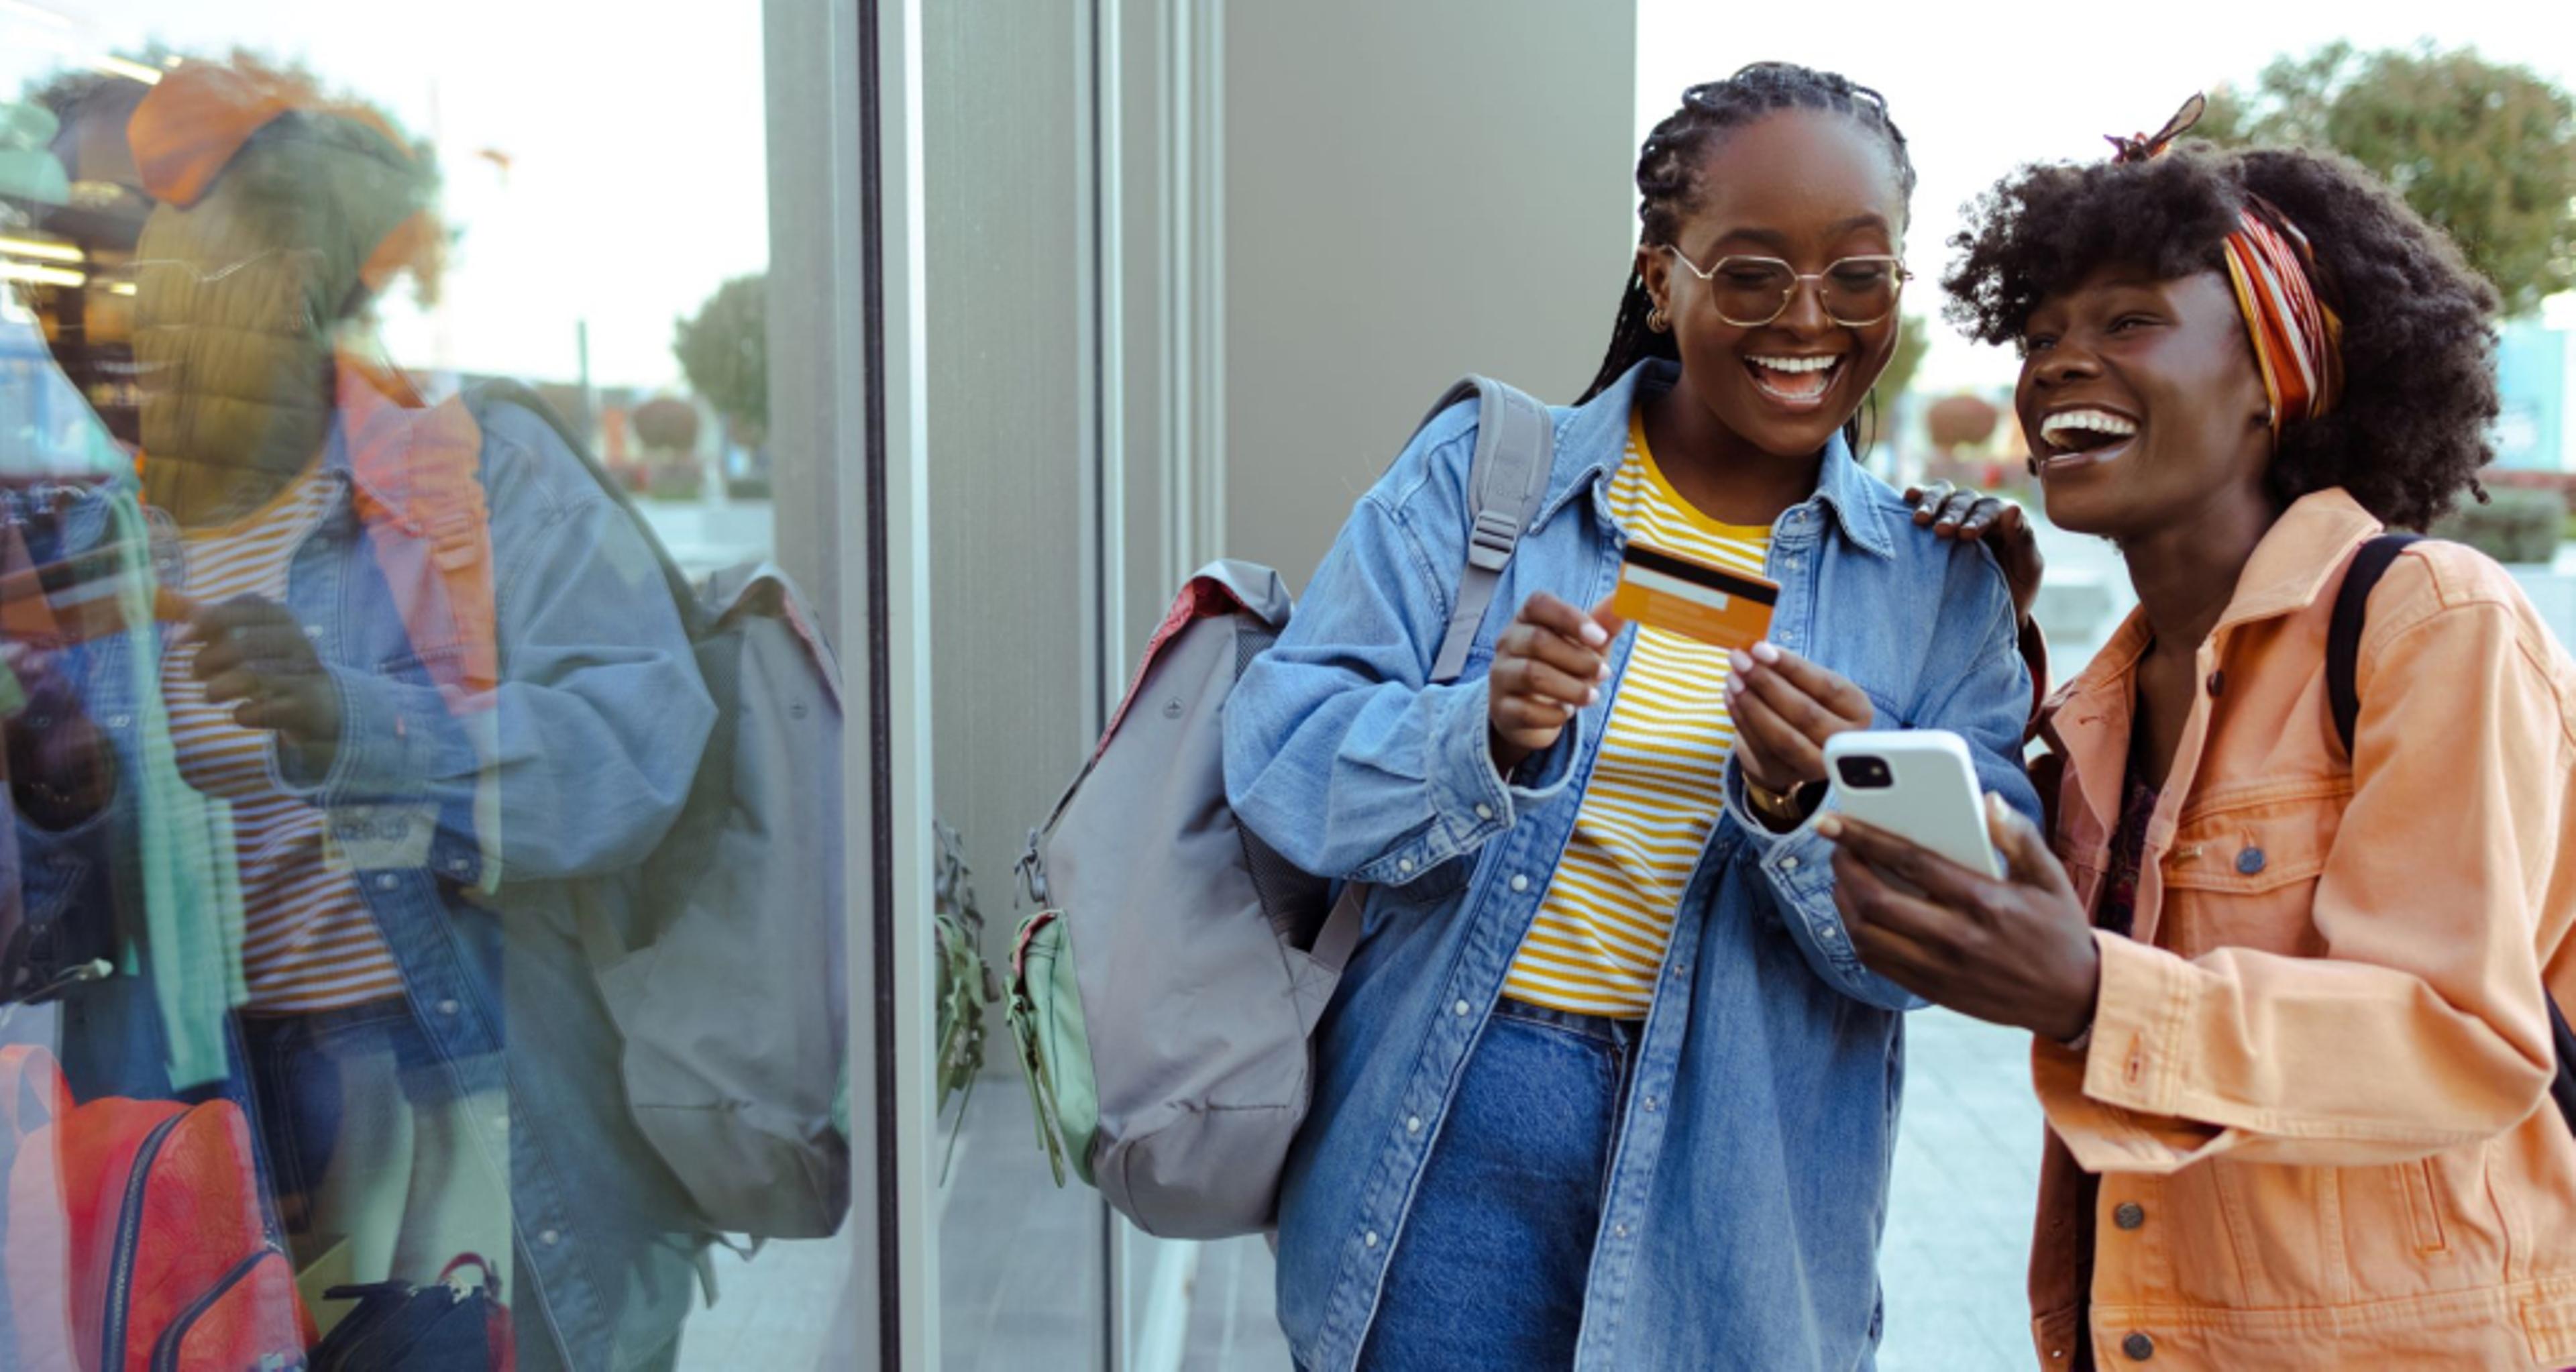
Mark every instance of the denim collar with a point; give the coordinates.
(1593, 436)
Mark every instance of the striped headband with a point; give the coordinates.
(2298, 339)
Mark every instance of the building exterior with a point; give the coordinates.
(1064, 301)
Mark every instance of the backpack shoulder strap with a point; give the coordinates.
(1506, 483)
(1515, 450)
(2343, 694)
(2343, 632)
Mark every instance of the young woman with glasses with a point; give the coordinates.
(2288, 946)
(1604, 1082)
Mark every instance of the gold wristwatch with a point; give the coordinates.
(1781, 812)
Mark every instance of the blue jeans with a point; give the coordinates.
(1491, 1266)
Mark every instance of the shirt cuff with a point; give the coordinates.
(381, 804)
(2134, 1056)
(2110, 1099)
(395, 740)
(1471, 801)
(1478, 799)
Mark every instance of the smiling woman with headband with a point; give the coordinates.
(2289, 944)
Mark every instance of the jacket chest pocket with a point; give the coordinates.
(2243, 874)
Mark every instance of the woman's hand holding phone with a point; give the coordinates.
(2017, 951)
(1549, 663)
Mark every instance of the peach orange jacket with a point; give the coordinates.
(2316, 1091)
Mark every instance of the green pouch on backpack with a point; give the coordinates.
(1046, 1023)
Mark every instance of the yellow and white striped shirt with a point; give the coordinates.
(310, 943)
(1598, 943)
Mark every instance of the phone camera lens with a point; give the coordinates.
(1864, 773)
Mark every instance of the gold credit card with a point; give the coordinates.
(1696, 599)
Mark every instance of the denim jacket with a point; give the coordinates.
(1742, 1213)
(573, 769)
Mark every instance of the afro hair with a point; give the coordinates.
(2419, 390)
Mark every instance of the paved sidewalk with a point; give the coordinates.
(1958, 1230)
(1967, 1176)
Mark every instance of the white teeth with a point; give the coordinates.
(1796, 364)
(2096, 421)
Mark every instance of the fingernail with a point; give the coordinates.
(1603, 674)
(1740, 661)
(1591, 697)
(1765, 652)
(1594, 634)
(1827, 826)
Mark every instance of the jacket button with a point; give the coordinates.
(2250, 861)
(2130, 1215)
(2139, 1347)
(1404, 864)
(1519, 882)
(2218, 683)
(1369, 1238)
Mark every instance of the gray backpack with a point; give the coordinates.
(720, 959)
(1163, 994)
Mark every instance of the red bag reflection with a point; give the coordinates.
(135, 1240)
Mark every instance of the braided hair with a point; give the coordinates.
(1670, 165)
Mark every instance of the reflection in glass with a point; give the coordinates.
(419, 906)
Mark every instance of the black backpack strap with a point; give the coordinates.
(2343, 633)
(2562, 1088)
(2343, 694)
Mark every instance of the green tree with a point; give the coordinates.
(2486, 150)
(724, 352)
(1911, 343)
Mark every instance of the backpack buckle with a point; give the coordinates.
(1491, 545)
(1031, 870)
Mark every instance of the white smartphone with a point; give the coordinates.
(1920, 784)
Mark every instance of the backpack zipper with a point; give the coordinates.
(165, 1354)
(129, 1237)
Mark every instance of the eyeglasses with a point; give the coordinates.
(1750, 292)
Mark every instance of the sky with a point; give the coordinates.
(637, 179)
(2025, 82)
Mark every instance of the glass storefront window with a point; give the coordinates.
(421, 913)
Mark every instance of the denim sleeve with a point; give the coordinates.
(1975, 684)
(1340, 753)
(580, 760)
